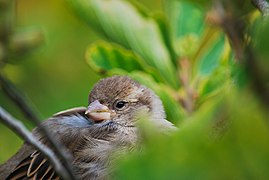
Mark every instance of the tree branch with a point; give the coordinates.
(19, 99)
(22, 131)
(13, 93)
(262, 6)
(235, 28)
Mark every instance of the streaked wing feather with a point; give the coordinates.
(34, 166)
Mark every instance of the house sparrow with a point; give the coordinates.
(93, 134)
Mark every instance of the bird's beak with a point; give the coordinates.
(98, 112)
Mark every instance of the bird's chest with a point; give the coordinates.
(94, 158)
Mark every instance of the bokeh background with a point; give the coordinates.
(55, 76)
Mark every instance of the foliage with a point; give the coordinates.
(187, 60)
(192, 153)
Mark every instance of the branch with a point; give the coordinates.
(235, 28)
(262, 6)
(22, 131)
(17, 97)
(13, 93)
(232, 25)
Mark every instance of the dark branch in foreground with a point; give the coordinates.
(13, 93)
(22, 131)
(262, 6)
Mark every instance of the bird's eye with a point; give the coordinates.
(120, 104)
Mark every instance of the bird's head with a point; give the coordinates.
(121, 99)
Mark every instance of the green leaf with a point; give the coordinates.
(186, 18)
(215, 69)
(203, 3)
(210, 59)
(84, 10)
(103, 57)
(187, 22)
(163, 23)
(215, 84)
(124, 23)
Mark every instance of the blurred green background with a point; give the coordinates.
(55, 76)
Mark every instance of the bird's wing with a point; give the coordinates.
(70, 127)
(29, 163)
(34, 166)
(9, 165)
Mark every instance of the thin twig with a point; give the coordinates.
(22, 131)
(262, 6)
(16, 96)
(19, 99)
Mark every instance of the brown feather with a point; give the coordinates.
(36, 164)
(47, 173)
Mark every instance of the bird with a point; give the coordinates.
(93, 134)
